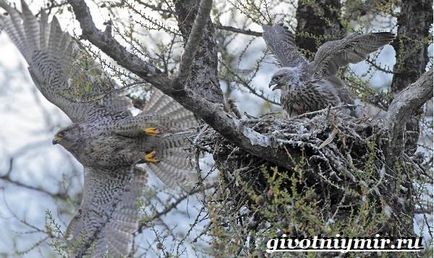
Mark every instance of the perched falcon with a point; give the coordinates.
(104, 137)
(298, 96)
(307, 87)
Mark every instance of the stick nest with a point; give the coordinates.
(338, 173)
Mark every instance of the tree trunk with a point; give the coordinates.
(410, 45)
(203, 78)
(317, 22)
(411, 54)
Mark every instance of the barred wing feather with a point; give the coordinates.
(281, 42)
(108, 214)
(62, 70)
(351, 49)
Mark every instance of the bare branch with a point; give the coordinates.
(378, 67)
(405, 104)
(240, 80)
(238, 30)
(112, 47)
(144, 222)
(7, 178)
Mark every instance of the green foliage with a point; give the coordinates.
(290, 204)
(258, 201)
(57, 242)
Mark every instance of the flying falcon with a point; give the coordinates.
(104, 136)
(310, 86)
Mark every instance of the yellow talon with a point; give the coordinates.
(151, 131)
(150, 157)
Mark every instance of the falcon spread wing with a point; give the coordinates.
(281, 42)
(316, 82)
(108, 214)
(62, 70)
(105, 137)
(351, 49)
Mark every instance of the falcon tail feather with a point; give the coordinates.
(175, 164)
(171, 114)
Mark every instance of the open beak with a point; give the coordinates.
(56, 139)
(273, 86)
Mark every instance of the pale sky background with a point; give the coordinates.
(24, 130)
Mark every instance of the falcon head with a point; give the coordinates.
(68, 136)
(284, 78)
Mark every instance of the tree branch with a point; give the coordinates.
(203, 80)
(404, 105)
(212, 113)
(112, 47)
(145, 221)
(7, 178)
(194, 37)
(410, 47)
(238, 30)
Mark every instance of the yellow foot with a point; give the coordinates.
(150, 157)
(151, 131)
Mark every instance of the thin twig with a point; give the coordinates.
(238, 30)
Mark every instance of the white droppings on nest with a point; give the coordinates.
(388, 211)
(256, 138)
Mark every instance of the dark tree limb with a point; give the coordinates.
(194, 37)
(411, 47)
(238, 30)
(113, 48)
(203, 80)
(402, 108)
(414, 23)
(317, 22)
(400, 112)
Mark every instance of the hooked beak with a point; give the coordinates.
(274, 86)
(56, 139)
